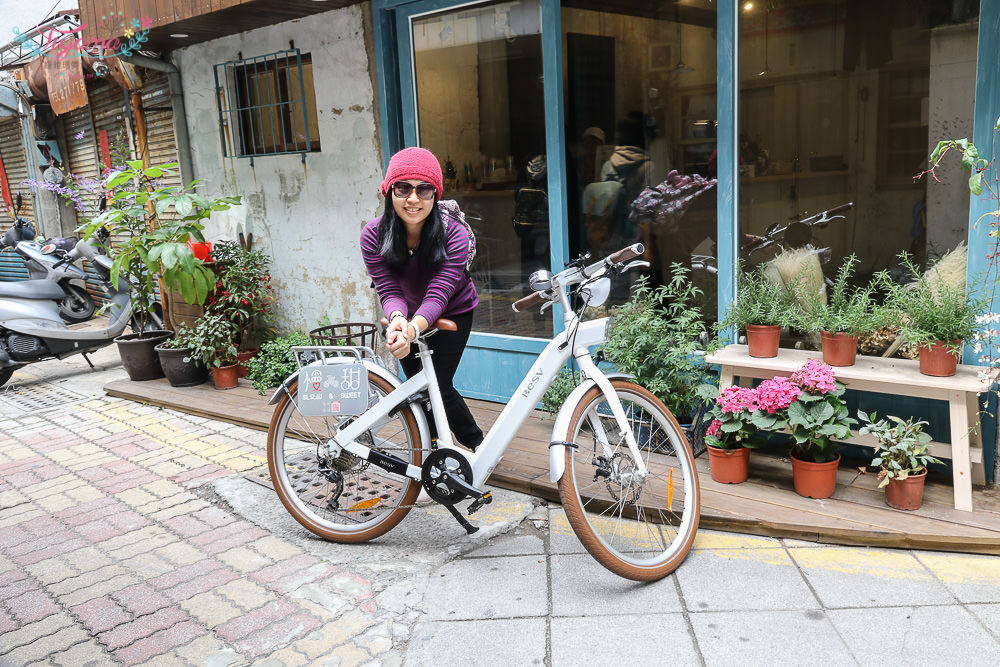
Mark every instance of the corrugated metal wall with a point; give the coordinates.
(83, 162)
(16, 167)
(160, 127)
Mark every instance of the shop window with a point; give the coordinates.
(267, 105)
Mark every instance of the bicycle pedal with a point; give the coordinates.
(478, 503)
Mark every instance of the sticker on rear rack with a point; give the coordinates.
(334, 389)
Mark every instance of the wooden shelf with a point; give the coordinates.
(805, 175)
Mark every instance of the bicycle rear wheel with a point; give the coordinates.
(344, 498)
(640, 529)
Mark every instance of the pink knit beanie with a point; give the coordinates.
(413, 162)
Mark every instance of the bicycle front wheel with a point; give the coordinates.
(639, 527)
(342, 498)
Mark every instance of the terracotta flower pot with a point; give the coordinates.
(839, 349)
(937, 361)
(815, 480)
(226, 377)
(906, 494)
(242, 357)
(763, 339)
(729, 466)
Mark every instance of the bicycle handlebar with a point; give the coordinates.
(574, 274)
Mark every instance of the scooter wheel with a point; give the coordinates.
(77, 306)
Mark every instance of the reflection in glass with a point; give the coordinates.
(640, 135)
(480, 109)
(843, 102)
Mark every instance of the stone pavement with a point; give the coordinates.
(135, 535)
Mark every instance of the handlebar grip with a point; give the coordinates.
(843, 207)
(625, 254)
(522, 305)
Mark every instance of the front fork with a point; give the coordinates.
(560, 431)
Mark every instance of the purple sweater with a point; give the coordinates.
(417, 289)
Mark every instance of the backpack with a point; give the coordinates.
(604, 213)
(450, 212)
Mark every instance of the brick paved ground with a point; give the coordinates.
(108, 555)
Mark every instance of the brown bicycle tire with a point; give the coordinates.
(576, 513)
(388, 521)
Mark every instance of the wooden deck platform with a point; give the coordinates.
(764, 505)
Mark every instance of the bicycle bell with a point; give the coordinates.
(540, 281)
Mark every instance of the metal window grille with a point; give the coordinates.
(267, 105)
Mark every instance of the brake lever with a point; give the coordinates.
(636, 264)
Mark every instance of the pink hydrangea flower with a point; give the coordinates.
(776, 394)
(734, 399)
(815, 377)
(713, 428)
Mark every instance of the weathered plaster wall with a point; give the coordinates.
(308, 217)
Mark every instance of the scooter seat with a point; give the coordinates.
(42, 290)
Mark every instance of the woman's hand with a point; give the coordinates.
(397, 338)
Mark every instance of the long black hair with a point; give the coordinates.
(392, 239)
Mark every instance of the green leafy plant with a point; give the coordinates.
(759, 301)
(934, 310)
(852, 310)
(657, 335)
(275, 361)
(561, 387)
(211, 341)
(150, 245)
(901, 448)
(243, 291)
(819, 417)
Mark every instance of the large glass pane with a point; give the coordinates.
(639, 85)
(843, 101)
(478, 73)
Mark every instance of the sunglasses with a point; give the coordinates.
(402, 189)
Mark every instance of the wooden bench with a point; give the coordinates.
(899, 377)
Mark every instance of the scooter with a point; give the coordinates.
(43, 262)
(30, 325)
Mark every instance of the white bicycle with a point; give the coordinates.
(624, 468)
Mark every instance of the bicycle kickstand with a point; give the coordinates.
(469, 528)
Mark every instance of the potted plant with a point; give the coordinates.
(936, 316)
(657, 337)
(762, 307)
(212, 344)
(817, 418)
(275, 361)
(842, 316)
(243, 294)
(180, 367)
(149, 247)
(901, 455)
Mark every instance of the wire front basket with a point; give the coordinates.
(349, 334)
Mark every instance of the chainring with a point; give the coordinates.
(432, 475)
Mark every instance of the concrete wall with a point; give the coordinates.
(308, 217)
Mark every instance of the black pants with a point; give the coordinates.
(448, 347)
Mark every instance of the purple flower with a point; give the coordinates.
(79, 135)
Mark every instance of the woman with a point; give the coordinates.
(416, 254)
